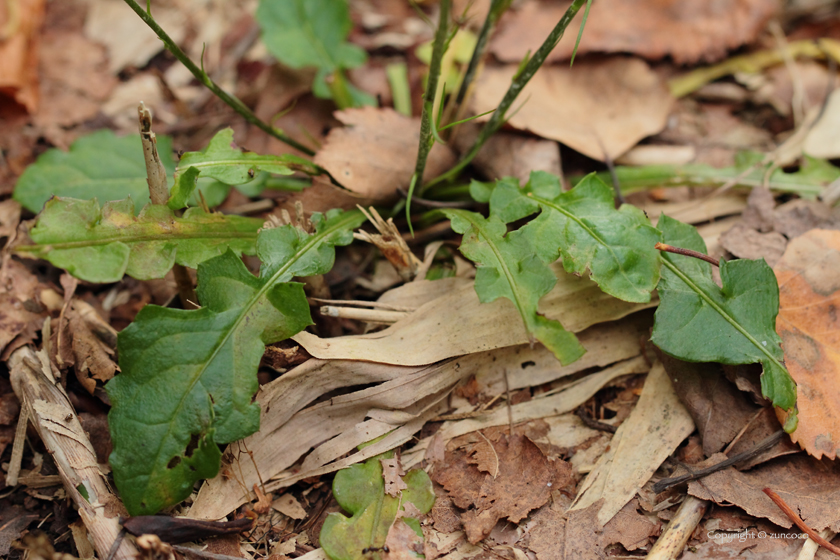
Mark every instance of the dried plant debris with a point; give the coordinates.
(520, 480)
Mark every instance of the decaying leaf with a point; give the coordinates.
(374, 154)
(360, 490)
(102, 244)
(809, 295)
(523, 483)
(75, 344)
(392, 473)
(683, 29)
(607, 107)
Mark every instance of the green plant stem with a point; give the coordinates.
(426, 117)
(497, 8)
(202, 77)
(517, 85)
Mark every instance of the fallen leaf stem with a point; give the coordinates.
(518, 83)
(426, 140)
(233, 102)
(799, 523)
(687, 253)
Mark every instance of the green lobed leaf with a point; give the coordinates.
(188, 377)
(100, 165)
(310, 33)
(223, 161)
(508, 266)
(360, 491)
(583, 226)
(699, 322)
(101, 245)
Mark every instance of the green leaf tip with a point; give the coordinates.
(101, 165)
(584, 228)
(102, 244)
(507, 266)
(698, 321)
(188, 376)
(223, 161)
(360, 491)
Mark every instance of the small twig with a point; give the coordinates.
(17, 448)
(202, 77)
(202, 553)
(426, 140)
(619, 198)
(669, 545)
(368, 315)
(434, 203)
(517, 85)
(592, 423)
(686, 252)
(766, 443)
(361, 303)
(801, 524)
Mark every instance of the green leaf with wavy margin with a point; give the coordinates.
(360, 491)
(223, 161)
(188, 377)
(101, 245)
(699, 322)
(508, 267)
(313, 33)
(101, 165)
(617, 246)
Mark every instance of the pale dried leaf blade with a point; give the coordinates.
(654, 429)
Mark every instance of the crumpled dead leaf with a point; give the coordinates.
(374, 154)
(392, 473)
(597, 108)
(809, 295)
(523, 483)
(686, 30)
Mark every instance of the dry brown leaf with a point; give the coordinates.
(795, 217)
(685, 30)
(289, 506)
(758, 214)
(523, 483)
(374, 154)
(809, 486)
(747, 243)
(392, 473)
(718, 408)
(75, 344)
(508, 154)
(20, 24)
(607, 106)
(629, 527)
(809, 324)
(75, 79)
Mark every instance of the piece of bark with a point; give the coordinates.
(56, 422)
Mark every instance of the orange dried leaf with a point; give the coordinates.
(809, 324)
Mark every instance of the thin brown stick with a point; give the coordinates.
(801, 524)
(766, 443)
(686, 252)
